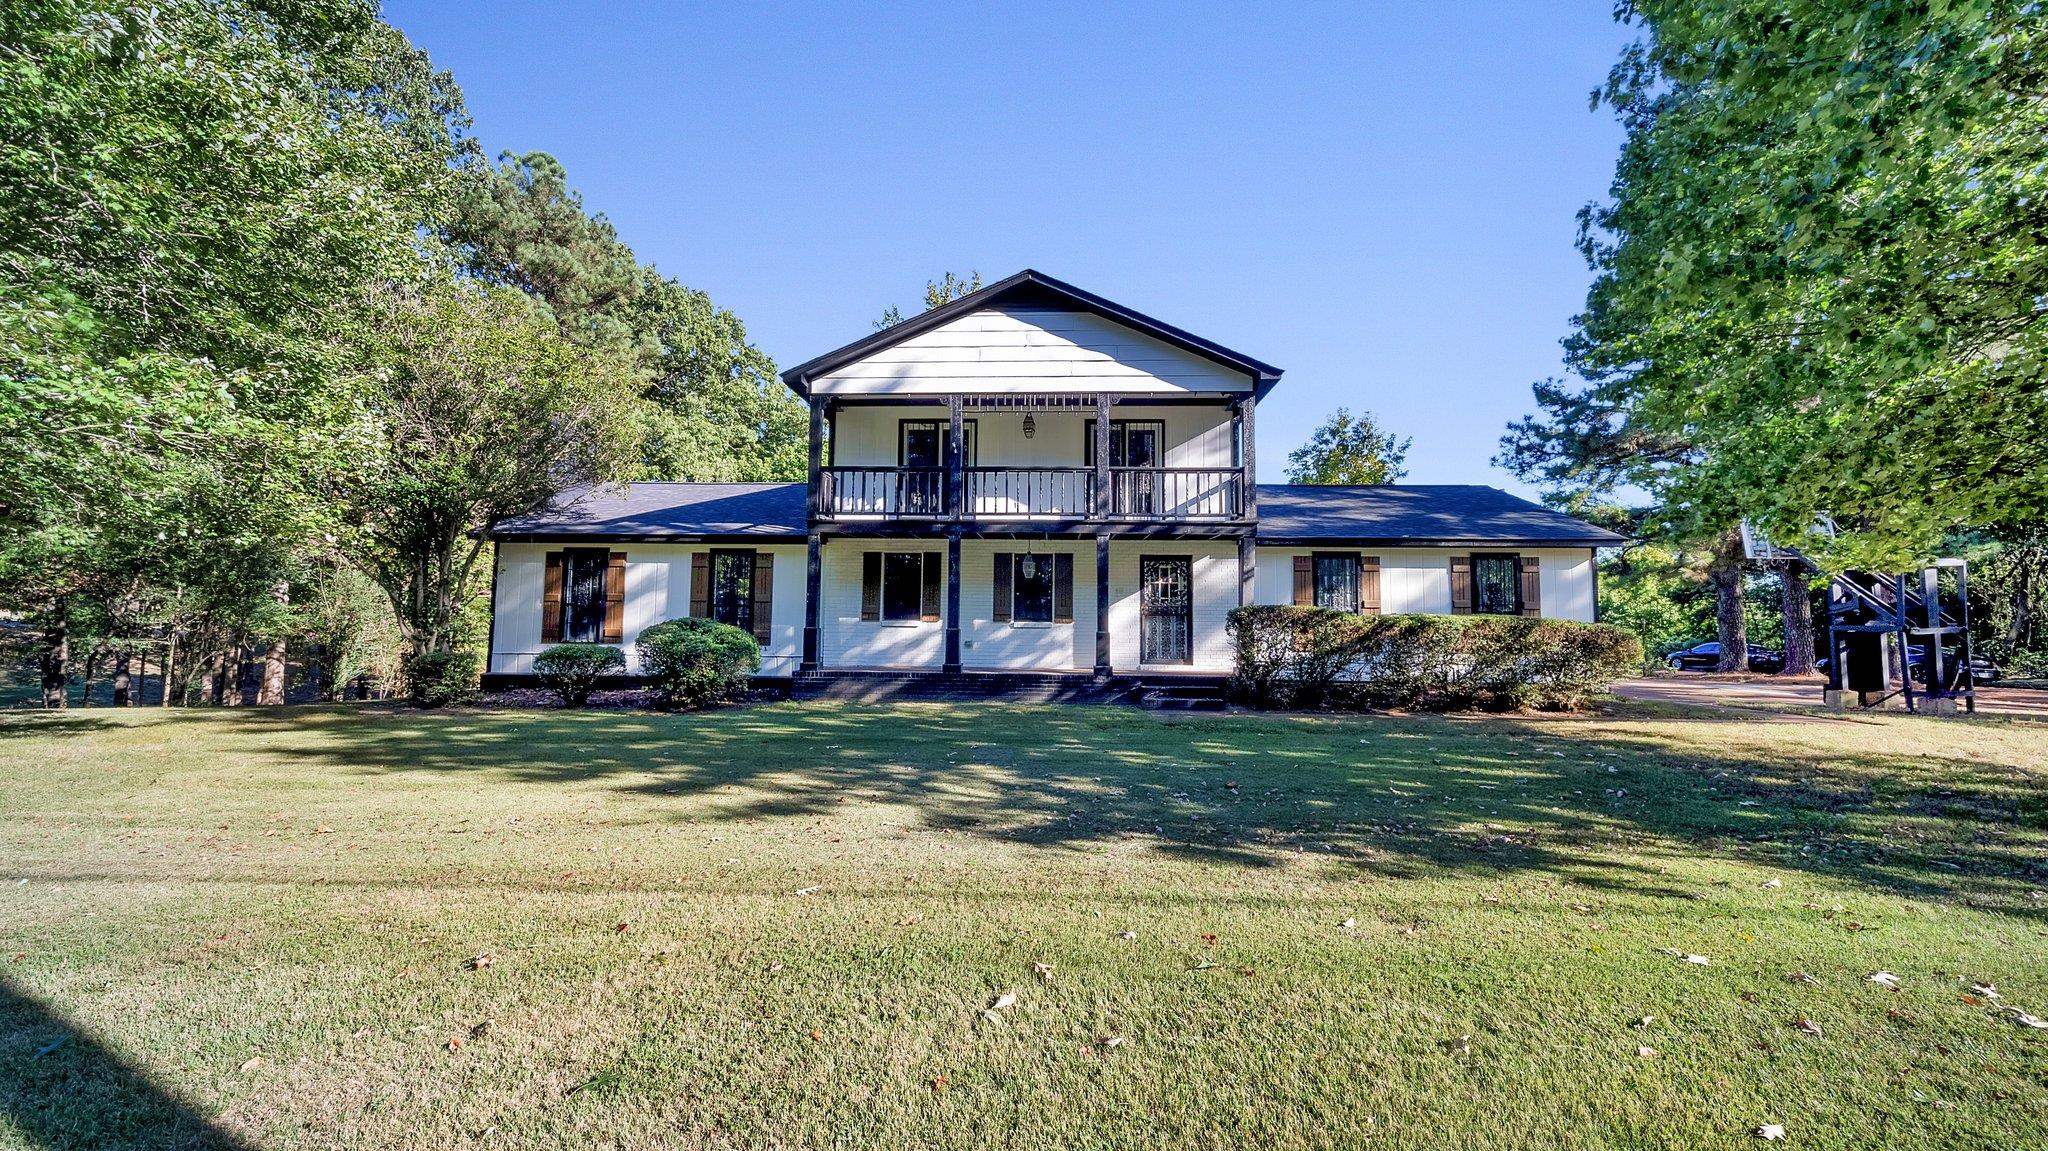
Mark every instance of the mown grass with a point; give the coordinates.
(781, 926)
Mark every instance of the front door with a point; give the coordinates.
(921, 451)
(1166, 609)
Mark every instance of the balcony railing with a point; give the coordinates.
(1032, 493)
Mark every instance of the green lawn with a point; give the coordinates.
(781, 927)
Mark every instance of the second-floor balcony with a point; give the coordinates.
(1010, 494)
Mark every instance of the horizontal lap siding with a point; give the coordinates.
(657, 589)
(1215, 594)
(1417, 580)
(1030, 350)
(850, 641)
(986, 642)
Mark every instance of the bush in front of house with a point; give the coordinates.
(572, 670)
(692, 663)
(439, 678)
(1313, 657)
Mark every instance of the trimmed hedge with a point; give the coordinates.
(1314, 657)
(692, 663)
(571, 670)
(438, 678)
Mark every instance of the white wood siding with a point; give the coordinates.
(1418, 580)
(1197, 435)
(1030, 350)
(657, 589)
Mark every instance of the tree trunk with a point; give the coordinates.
(270, 691)
(56, 662)
(1726, 576)
(170, 663)
(124, 679)
(236, 670)
(1796, 605)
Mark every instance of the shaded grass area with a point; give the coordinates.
(782, 925)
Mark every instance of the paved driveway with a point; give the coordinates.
(1708, 689)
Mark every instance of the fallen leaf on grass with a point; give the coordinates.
(480, 961)
(1109, 1041)
(254, 1062)
(938, 1083)
(454, 1043)
(1808, 1026)
(1004, 1002)
(2026, 1020)
(1643, 1022)
(623, 928)
(1771, 1131)
(1884, 979)
(1043, 971)
(1127, 935)
(1348, 924)
(1646, 1052)
(1773, 884)
(1985, 989)
(1802, 977)
(807, 891)
(913, 917)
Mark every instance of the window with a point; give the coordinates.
(922, 443)
(1336, 581)
(583, 578)
(732, 589)
(1496, 581)
(903, 586)
(1031, 588)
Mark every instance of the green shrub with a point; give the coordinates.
(438, 678)
(693, 663)
(571, 670)
(1314, 657)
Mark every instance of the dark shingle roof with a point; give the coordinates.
(1417, 514)
(657, 510)
(1393, 514)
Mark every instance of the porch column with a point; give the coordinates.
(1247, 568)
(953, 585)
(1248, 450)
(1103, 504)
(1101, 596)
(955, 448)
(814, 572)
(814, 497)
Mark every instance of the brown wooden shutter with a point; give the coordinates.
(1461, 585)
(764, 595)
(700, 584)
(1002, 586)
(1369, 585)
(1305, 581)
(871, 585)
(1063, 588)
(551, 600)
(1532, 584)
(615, 598)
(934, 566)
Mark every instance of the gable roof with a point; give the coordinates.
(1388, 515)
(1031, 288)
(656, 511)
(1417, 514)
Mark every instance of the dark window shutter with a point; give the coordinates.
(615, 598)
(1532, 584)
(1304, 581)
(1063, 588)
(934, 566)
(764, 595)
(700, 584)
(1002, 586)
(551, 600)
(1369, 585)
(871, 585)
(1461, 585)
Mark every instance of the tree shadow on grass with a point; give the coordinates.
(1595, 804)
(61, 1089)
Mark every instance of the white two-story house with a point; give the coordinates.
(1029, 482)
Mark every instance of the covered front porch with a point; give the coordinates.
(1024, 603)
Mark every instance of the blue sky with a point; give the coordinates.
(1378, 198)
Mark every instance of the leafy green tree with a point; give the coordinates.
(481, 409)
(1820, 264)
(1349, 450)
(714, 409)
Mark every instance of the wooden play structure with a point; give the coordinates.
(1886, 630)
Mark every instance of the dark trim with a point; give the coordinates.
(1037, 284)
(1102, 663)
(491, 640)
(1593, 559)
(1010, 529)
(940, 424)
(1484, 542)
(952, 602)
(814, 572)
(762, 538)
(507, 681)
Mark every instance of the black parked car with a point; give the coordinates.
(1706, 656)
(1982, 670)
